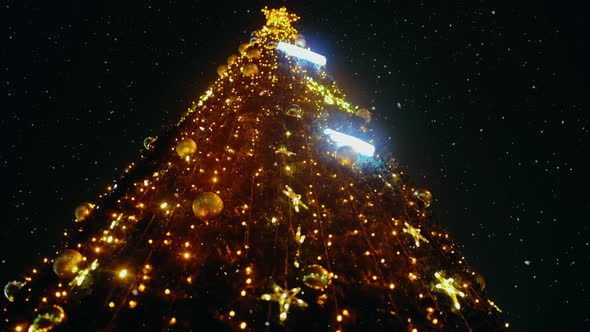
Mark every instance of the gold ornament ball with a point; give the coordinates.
(480, 281)
(316, 277)
(148, 142)
(295, 111)
(364, 114)
(221, 70)
(300, 41)
(83, 211)
(423, 196)
(346, 156)
(12, 289)
(272, 44)
(186, 147)
(250, 69)
(48, 318)
(253, 53)
(207, 205)
(67, 265)
(242, 48)
(231, 59)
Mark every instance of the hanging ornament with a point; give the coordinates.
(423, 196)
(231, 59)
(222, 69)
(242, 48)
(480, 281)
(285, 298)
(364, 114)
(295, 198)
(300, 41)
(83, 211)
(415, 233)
(186, 147)
(148, 142)
(250, 69)
(316, 277)
(271, 45)
(207, 205)
(12, 289)
(447, 285)
(346, 156)
(253, 53)
(67, 265)
(48, 319)
(294, 111)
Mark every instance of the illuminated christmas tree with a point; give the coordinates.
(266, 208)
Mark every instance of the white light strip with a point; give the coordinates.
(302, 53)
(341, 139)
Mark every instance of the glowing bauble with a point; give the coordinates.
(423, 196)
(253, 53)
(480, 281)
(346, 156)
(47, 319)
(83, 211)
(12, 289)
(316, 277)
(242, 48)
(294, 111)
(250, 69)
(271, 44)
(67, 265)
(186, 147)
(148, 142)
(221, 70)
(231, 59)
(207, 205)
(300, 41)
(364, 114)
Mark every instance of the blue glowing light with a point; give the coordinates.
(302, 53)
(341, 139)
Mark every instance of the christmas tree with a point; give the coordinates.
(267, 207)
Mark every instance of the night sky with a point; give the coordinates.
(483, 103)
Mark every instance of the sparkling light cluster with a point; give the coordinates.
(247, 193)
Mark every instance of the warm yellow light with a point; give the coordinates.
(141, 287)
(123, 273)
(163, 205)
(132, 304)
(167, 291)
(232, 313)
(111, 304)
(172, 321)
(243, 325)
(243, 292)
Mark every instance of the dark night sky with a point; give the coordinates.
(484, 103)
